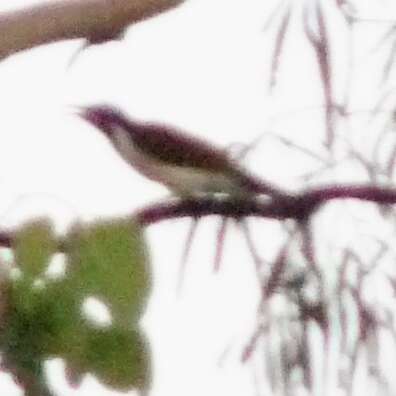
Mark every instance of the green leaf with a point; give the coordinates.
(45, 317)
(119, 358)
(64, 321)
(23, 339)
(34, 245)
(109, 260)
(41, 322)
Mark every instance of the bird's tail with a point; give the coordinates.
(256, 185)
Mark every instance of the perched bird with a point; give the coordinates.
(185, 164)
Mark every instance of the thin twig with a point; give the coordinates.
(320, 44)
(279, 45)
(258, 261)
(220, 244)
(186, 252)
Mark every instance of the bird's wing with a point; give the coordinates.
(174, 147)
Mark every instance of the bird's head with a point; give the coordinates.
(103, 117)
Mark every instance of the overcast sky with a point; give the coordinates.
(202, 67)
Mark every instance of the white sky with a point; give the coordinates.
(202, 67)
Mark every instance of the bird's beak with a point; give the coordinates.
(80, 111)
(100, 117)
(88, 115)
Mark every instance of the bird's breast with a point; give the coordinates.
(181, 179)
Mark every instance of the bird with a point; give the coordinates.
(185, 164)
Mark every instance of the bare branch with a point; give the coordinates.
(299, 207)
(95, 20)
(389, 63)
(273, 14)
(186, 253)
(277, 270)
(220, 244)
(320, 44)
(279, 45)
(290, 144)
(258, 261)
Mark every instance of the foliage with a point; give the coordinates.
(44, 318)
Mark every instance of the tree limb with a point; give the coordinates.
(299, 207)
(95, 20)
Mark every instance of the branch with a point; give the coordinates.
(207, 206)
(321, 45)
(299, 207)
(95, 20)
